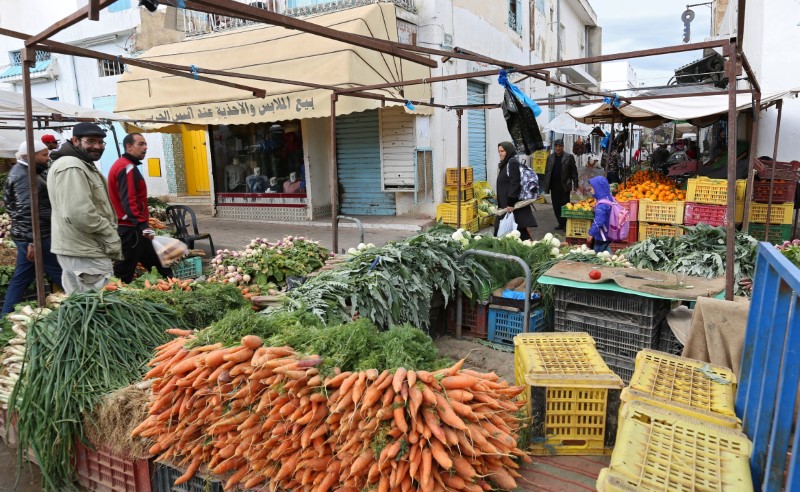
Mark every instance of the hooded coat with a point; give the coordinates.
(17, 193)
(602, 212)
(509, 186)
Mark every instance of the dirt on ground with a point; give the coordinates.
(479, 357)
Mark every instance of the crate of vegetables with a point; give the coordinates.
(578, 228)
(778, 214)
(661, 212)
(581, 210)
(782, 191)
(777, 233)
(102, 470)
(646, 230)
(713, 215)
(188, 268)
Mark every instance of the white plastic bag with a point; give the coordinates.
(169, 250)
(506, 225)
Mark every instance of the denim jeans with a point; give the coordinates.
(600, 246)
(25, 273)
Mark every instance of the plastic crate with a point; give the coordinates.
(662, 451)
(667, 341)
(679, 385)
(633, 208)
(102, 470)
(451, 194)
(505, 323)
(622, 366)
(576, 214)
(540, 161)
(611, 301)
(778, 214)
(448, 212)
(613, 338)
(164, 476)
(646, 230)
(474, 318)
(783, 191)
(478, 188)
(712, 191)
(661, 212)
(487, 221)
(572, 396)
(474, 226)
(713, 215)
(578, 228)
(777, 233)
(451, 176)
(783, 170)
(188, 268)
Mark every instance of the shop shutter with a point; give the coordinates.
(476, 130)
(358, 151)
(397, 149)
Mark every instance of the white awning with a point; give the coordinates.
(567, 125)
(13, 104)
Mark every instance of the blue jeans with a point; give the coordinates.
(25, 273)
(600, 246)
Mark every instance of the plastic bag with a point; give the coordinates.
(169, 250)
(506, 225)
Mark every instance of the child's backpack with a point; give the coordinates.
(529, 182)
(619, 220)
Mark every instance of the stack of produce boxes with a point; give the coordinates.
(707, 199)
(579, 219)
(459, 183)
(621, 324)
(571, 395)
(780, 228)
(506, 313)
(654, 202)
(678, 429)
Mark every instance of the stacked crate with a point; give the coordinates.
(579, 222)
(660, 218)
(459, 184)
(571, 395)
(505, 323)
(677, 429)
(780, 228)
(621, 324)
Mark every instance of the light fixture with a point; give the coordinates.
(150, 5)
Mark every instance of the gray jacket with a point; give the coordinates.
(569, 173)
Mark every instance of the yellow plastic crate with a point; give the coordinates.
(451, 176)
(572, 394)
(578, 228)
(661, 212)
(479, 189)
(662, 451)
(474, 226)
(540, 161)
(646, 231)
(451, 194)
(781, 213)
(448, 212)
(712, 191)
(487, 221)
(678, 384)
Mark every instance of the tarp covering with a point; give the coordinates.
(567, 125)
(10, 140)
(13, 104)
(649, 112)
(277, 52)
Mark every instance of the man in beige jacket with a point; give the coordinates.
(84, 225)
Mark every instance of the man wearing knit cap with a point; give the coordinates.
(17, 193)
(84, 223)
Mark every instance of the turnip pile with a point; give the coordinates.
(269, 415)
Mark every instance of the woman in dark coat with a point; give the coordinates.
(508, 190)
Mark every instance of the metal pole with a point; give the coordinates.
(526, 315)
(28, 60)
(731, 232)
(774, 158)
(459, 114)
(354, 220)
(748, 190)
(334, 178)
(116, 139)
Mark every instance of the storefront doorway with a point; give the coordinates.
(196, 159)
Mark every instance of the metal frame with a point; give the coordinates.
(351, 219)
(770, 373)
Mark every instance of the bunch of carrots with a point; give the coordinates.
(267, 416)
(160, 284)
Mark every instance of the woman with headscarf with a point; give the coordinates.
(508, 188)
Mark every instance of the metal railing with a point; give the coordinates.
(356, 221)
(199, 23)
(770, 372)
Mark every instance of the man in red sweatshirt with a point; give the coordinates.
(128, 193)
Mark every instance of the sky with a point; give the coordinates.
(641, 24)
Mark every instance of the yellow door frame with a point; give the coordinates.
(195, 159)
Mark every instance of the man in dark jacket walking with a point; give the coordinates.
(18, 205)
(127, 190)
(560, 179)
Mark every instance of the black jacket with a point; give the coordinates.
(18, 203)
(508, 189)
(569, 173)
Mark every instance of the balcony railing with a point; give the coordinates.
(199, 23)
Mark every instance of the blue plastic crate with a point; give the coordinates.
(504, 324)
(188, 268)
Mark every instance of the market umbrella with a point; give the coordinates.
(565, 124)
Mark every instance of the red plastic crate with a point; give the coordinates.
(713, 215)
(783, 191)
(633, 208)
(474, 319)
(783, 170)
(102, 470)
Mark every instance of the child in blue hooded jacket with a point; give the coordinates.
(602, 214)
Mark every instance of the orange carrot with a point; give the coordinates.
(189, 473)
(252, 341)
(446, 413)
(399, 414)
(440, 455)
(399, 376)
(462, 381)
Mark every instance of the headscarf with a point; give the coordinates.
(511, 151)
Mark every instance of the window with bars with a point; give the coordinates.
(423, 164)
(109, 68)
(16, 56)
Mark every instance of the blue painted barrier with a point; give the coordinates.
(770, 372)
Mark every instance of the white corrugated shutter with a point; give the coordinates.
(397, 149)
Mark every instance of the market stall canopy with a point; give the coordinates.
(653, 112)
(567, 125)
(276, 52)
(10, 140)
(13, 104)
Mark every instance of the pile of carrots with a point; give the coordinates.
(160, 284)
(266, 416)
